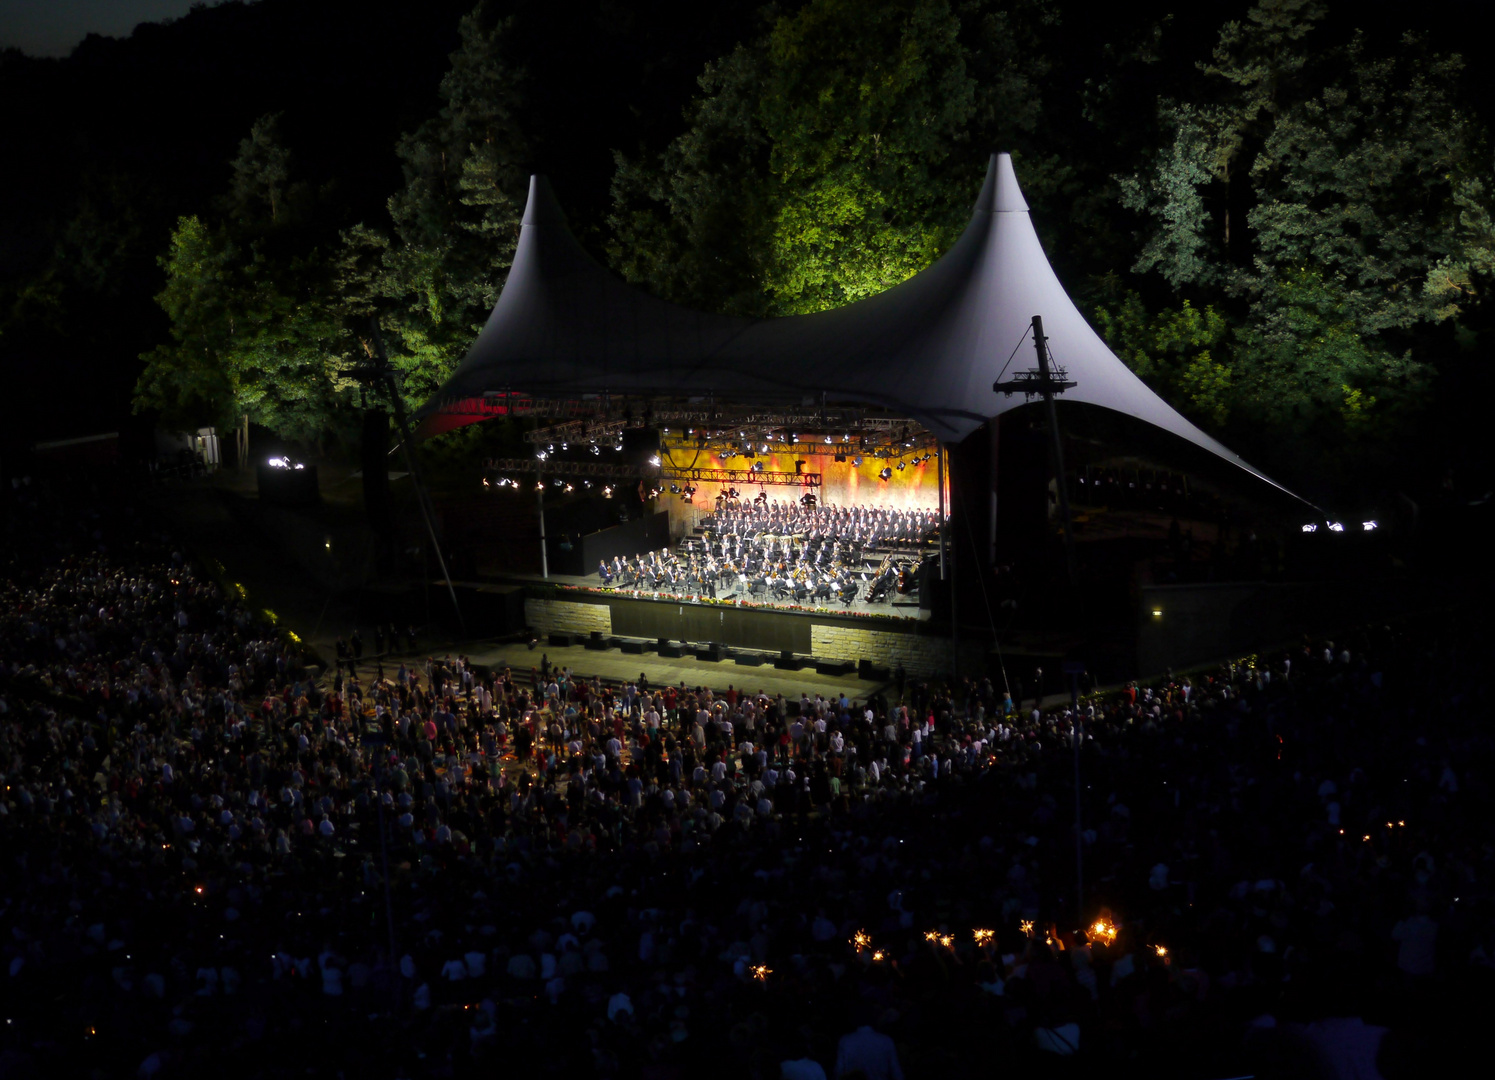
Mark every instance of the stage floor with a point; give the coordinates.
(901, 607)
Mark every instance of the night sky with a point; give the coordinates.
(53, 27)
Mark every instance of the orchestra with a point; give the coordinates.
(787, 552)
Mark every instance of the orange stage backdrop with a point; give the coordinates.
(842, 483)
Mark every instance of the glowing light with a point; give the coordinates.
(861, 939)
(932, 936)
(947, 941)
(199, 890)
(1026, 926)
(1310, 528)
(762, 973)
(983, 937)
(1370, 526)
(1103, 930)
(1335, 526)
(1161, 950)
(654, 459)
(879, 956)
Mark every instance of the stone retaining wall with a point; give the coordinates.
(546, 616)
(919, 654)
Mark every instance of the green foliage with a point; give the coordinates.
(456, 220)
(1305, 361)
(1181, 247)
(255, 331)
(831, 159)
(1174, 352)
(1366, 223)
(188, 382)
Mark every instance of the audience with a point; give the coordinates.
(215, 858)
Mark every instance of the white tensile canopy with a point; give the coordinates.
(928, 348)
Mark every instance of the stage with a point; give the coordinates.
(572, 611)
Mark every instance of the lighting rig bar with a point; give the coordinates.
(751, 447)
(599, 469)
(582, 431)
(743, 476)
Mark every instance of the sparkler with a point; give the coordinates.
(932, 936)
(983, 937)
(1161, 950)
(947, 941)
(1103, 930)
(879, 956)
(762, 973)
(1026, 926)
(861, 939)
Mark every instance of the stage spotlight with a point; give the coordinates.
(674, 489)
(542, 455)
(1370, 526)
(1335, 526)
(654, 460)
(757, 466)
(900, 466)
(886, 474)
(1310, 528)
(857, 461)
(551, 448)
(827, 440)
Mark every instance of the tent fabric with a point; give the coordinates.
(929, 348)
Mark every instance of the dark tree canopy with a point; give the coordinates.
(1278, 213)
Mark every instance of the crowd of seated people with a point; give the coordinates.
(789, 552)
(212, 862)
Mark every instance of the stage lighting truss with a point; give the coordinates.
(727, 431)
(504, 472)
(910, 445)
(686, 479)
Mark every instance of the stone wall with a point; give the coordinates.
(546, 616)
(919, 654)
